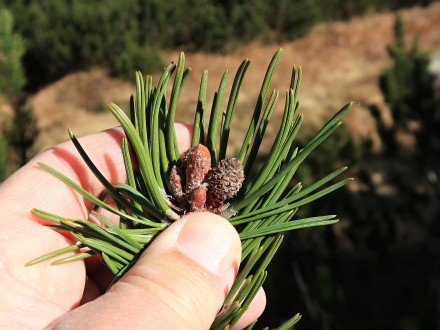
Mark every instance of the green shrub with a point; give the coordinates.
(408, 88)
(69, 35)
(21, 133)
(12, 49)
(21, 130)
(293, 18)
(124, 35)
(4, 168)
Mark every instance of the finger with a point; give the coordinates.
(183, 135)
(31, 186)
(28, 187)
(180, 281)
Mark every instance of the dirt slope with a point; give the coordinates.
(341, 62)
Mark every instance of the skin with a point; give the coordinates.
(175, 283)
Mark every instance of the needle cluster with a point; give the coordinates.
(260, 201)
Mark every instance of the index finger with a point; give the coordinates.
(33, 187)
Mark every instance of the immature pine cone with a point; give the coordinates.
(177, 180)
(198, 163)
(197, 199)
(224, 181)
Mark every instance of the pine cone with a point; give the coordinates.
(224, 181)
(197, 200)
(177, 183)
(198, 163)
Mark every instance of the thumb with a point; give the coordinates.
(179, 282)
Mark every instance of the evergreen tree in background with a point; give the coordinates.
(124, 36)
(21, 130)
(3, 159)
(21, 133)
(12, 49)
(408, 88)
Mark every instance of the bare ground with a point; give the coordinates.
(341, 62)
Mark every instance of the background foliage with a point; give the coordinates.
(19, 129)
(124, 35)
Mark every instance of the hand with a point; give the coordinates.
(180, 281)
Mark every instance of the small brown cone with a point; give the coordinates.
(198, 198)
(198, 163)
(224, 181)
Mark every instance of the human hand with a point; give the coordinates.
(180, 281)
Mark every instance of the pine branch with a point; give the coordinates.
(261, 208)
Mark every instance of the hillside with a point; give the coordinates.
(341, 62)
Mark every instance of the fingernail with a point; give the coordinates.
(210, 243)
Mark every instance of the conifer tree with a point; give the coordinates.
(408, 88)
(21, 130)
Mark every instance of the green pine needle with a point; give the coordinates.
(297, 224)
(290, 323)
(78, 256)
(200, 114)
(54, 254)
(259, 105)
(227, 122)
(211, 140)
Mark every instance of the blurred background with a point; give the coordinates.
(61, 62)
